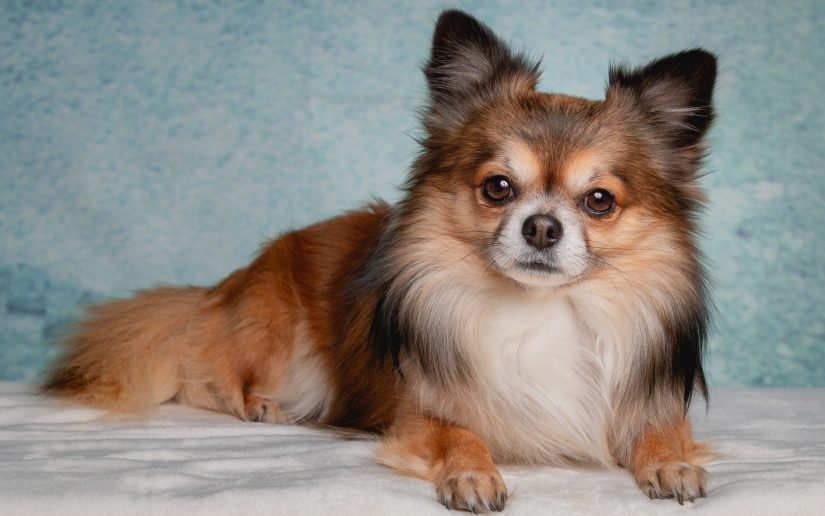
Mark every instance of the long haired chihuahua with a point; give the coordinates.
(536, 297)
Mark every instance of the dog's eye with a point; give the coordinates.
(498, 189)
(599, 202)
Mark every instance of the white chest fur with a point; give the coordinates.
(539, 391)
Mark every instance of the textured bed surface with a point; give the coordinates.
(56, 458)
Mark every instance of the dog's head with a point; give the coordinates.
(552, 188)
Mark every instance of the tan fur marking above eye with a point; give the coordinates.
(524, 164)
(518, 162)
(588, 170)
(580, 169)
(492, 168)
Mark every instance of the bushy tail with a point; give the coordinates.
(132, 354)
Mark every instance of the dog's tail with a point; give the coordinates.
(132, 354)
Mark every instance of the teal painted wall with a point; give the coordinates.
(150, 142)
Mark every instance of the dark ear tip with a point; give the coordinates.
(697, 66)
(452, 18)
(699, 59)
(699, 54)
(453, 23)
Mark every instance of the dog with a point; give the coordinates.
(537, 296)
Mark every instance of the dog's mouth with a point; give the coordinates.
(537, 268)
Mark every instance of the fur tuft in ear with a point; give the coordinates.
(674, 92)
(467, 62)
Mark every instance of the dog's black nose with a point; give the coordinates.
(542, 231)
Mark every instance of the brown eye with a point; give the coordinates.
(498, 189)
(599, 202)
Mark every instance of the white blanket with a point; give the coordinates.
(60, 459)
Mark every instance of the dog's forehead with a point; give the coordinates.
(571, 167)
(554, 141)
(575, 170)
(559, 115)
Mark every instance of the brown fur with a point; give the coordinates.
(410, 321)
(215, 348)
(666, 463)
(456, 460)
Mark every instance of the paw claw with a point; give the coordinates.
(678, 480)
(473, 491)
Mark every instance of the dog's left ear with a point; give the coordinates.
(468, 66)
(672, 94)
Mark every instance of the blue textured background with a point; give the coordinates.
(161, 142)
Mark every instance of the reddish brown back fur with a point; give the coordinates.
(212, 348)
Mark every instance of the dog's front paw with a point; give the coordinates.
(475, 491)
(679, 480)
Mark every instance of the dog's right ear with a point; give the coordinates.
(467, 66)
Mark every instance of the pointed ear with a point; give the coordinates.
(673, 93)
(467, 64)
